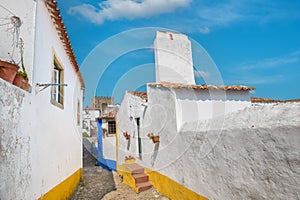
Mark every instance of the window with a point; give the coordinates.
(104, 108)
(78, 113)
(57, 91)
(111, 127)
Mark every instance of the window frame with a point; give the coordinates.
(57, 98)
(78, 112)
(113, 123)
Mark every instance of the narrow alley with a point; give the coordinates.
(99, 183)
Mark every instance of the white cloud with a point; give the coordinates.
(259, 79)
(204, 30)
(126, 9)
(272, 62)
(250, 72)
(201, 74)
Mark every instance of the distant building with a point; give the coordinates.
(89, 121)
(102, 103)
(107, 131)
(102, 107)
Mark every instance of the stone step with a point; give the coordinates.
(135, 168)
(143, 186)
(140, 178)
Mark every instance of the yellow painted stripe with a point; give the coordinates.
(162, 183)
(65, 189)
(170, 188)
(127, 177)
(117, 140)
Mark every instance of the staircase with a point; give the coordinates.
(141, 179)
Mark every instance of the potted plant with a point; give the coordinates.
(153, 137)
(21, 78)
(8, 70)
(129, 159)
(126, 135)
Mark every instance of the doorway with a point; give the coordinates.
(137, 120)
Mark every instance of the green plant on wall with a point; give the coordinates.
(21, 50)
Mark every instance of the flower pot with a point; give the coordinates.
(155, 139)
(129, 161)
(21, 82)
(126, 135)
(8, 71)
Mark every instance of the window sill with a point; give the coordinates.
(55, 103)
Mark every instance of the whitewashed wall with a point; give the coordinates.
(54, 150)
(192, 105)
(173, 58)
(56, 129)
(130, 109)
(255, 155)
(109, 147)
(155, 118)
(90, 124)
(252, 153)
(25, 10)
(15, 152)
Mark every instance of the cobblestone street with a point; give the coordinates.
(99, 183)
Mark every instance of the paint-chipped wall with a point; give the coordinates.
(40, 142)
(15, 165)
(255, 155)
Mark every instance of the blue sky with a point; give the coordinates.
(254, 43)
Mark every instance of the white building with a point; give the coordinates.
(89, 121)
(40, 131)
(169, 104)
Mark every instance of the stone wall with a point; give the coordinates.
(255, 155)
(252, 153)
(15, 167)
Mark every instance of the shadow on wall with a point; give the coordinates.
(154, 155)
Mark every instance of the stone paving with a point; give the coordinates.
(99, 183)
(96, 181)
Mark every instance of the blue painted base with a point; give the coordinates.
(108, 164)
(105, 163)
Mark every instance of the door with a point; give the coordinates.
(139, 137)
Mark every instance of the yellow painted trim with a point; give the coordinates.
(127, 177)
(170, 188)
(130, 161)
(117, 140)
(65, 189)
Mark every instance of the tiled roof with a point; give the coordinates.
(142, 95)
(63, 35)
(200, 87)
(265, 100)
(110, 115)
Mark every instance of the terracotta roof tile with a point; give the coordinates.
(200, 87)
(63, 35)
(266, 100)
(142, 95)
